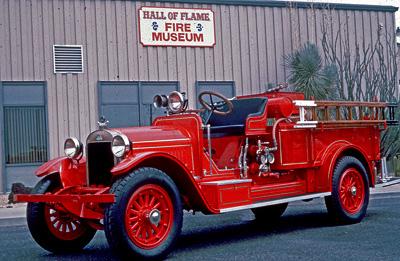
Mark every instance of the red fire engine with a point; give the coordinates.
(256, 152)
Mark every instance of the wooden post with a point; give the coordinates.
(338, 113)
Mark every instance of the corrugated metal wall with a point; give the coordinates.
(250, 44)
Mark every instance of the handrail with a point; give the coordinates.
(351, 103)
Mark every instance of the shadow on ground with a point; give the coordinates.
(230, 233)
(220, 231)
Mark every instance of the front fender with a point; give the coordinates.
(129, 163)
(185, 182)
(72, 173)
(50, 167)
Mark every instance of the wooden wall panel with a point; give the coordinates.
(251, 42)
(253, 51)
(270, 45)
(261, 49)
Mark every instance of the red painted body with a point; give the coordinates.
(177, 144)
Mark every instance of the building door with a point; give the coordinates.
(225, 88)
(131, 103)
(24, 130)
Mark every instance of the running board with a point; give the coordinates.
(275, 202)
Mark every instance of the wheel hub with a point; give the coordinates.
(154, 217)
(353, 190)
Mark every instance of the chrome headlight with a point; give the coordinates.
(160, 101)
(120, 145)
(73, 148)
(176, 102)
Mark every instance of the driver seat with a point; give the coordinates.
(234, 123)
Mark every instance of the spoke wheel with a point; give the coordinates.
(63, 225)
(348, 202)
(145, 220)
(54, 230)
(351, 191)
(149, 216)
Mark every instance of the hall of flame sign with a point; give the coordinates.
(176, 27)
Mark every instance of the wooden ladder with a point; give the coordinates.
(312, 113)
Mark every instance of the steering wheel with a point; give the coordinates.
(216, 107)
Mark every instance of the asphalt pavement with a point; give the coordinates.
(305, 232)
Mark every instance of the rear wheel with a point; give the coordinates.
(146, 218)
(350, 191)
(269, 213)
(55, 230)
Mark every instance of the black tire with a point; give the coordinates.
(126, 190)
(339, 204)
(39, 228)
(269, 213)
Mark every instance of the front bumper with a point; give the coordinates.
(73, 194)
(84, 202)
(49, 198)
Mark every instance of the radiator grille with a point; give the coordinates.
(100, 161)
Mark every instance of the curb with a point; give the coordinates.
(387, 184)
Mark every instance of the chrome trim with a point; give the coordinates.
(152, 141)
(275, 202)
(209, 146)
(157, 147)
(226, 182)
(245, 167)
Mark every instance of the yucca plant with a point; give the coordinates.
(308, 74)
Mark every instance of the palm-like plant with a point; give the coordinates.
(309, 75)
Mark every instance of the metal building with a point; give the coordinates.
(65, 62)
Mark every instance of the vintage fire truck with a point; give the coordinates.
(256, 152)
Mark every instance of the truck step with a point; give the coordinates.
(276, 201)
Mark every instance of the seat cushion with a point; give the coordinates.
(221, 131)
(234, 122)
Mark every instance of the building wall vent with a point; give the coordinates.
(68, 58)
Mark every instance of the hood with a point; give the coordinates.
(154, 134)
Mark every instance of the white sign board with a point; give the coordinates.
(160, 26)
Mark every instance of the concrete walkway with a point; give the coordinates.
(18, 210)
(13, 211)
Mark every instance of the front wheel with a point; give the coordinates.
(350, 191)
(54, 230)
(146, 218)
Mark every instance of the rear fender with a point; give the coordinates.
(330, 156)
(72, 173)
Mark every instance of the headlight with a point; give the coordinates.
(120, 145)
(175, 102)
(160, 101)
(73, 148)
